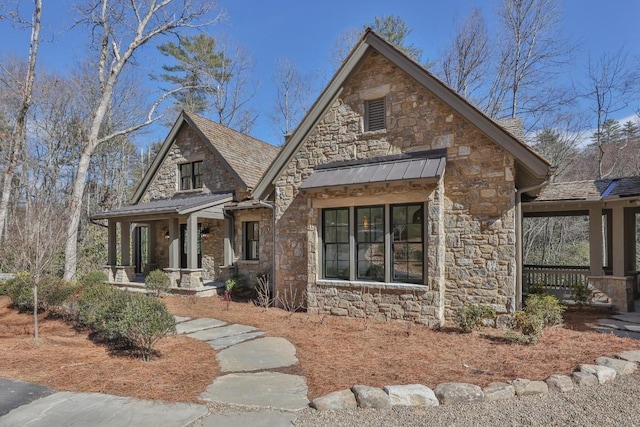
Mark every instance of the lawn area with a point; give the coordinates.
(334, 352)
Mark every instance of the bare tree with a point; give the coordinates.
(23, 86)
(609, 83)
(293, 95)
(464, 65)
(120, 28)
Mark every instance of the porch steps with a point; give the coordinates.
(209, 289)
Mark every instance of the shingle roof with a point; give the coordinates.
(249, 157)
(176, 205)
(382, 169)
(591, 190)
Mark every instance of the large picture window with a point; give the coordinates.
(191, 175)
(374, 243)
(251, 240)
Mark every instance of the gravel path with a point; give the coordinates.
(612, 404)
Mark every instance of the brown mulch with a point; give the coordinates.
(334, 352)
(337, 352)
(66, 359)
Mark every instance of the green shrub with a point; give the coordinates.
(53, 292)
(135, 320)
(92, 278)
(531, 325)
(581, 294)
(20, 291)
(547, 307)
(143, 322)
(470, 317)
(239, 286)
(536, 288)
(157, 282)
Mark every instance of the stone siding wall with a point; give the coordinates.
(477, 197)
(264, 264)
(188, 148)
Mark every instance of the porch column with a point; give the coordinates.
(174, 243)
(617, 235)
(228, 242)
(595, 242)
(125, 242)
(630, 240)
(151, 243)
(111, 242)
(192, 242)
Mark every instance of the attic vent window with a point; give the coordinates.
(375, 115)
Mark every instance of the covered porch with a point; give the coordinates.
(189, 238)
(610, 209)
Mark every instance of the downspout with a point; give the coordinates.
(518, 302)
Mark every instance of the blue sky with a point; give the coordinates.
(306, 32)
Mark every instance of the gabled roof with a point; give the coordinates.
(591, 190)
(180, 205)
(397, 167)
(244, 157)
(535, 168)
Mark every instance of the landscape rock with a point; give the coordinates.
(498, 391)
(525, 387)
(630, 356)
(454, 393)
(603, 373)
(560, 383)
(411, 395)
(371, 397)
(584, 379)
(621, 367)
(335, 401)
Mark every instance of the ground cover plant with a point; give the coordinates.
(334, 352)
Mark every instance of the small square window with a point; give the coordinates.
(375, 115)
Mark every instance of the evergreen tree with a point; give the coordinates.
(395, 30)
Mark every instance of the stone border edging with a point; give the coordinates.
(361, 396)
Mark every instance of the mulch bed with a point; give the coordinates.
(334, 352)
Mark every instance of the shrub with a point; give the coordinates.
(470, 317)
(157, 282)
(238, 286)
(20, 291)
(531, 325)
(547, 307)
(581, 294)
(92, 278)
(536, 288)
(135, 320)
(143, 322)
(53, 292)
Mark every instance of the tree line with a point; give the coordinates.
(67, 141)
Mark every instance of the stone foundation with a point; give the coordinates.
(618, 289)
(379, 301)
(120, 273)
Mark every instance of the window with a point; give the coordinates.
(374, 243)
(251, 240)
(374, 112)
(191, 175)
(335, 240)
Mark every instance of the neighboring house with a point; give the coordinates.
(394, 198)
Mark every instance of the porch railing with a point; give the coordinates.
(554, 277)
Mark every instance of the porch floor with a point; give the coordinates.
(210, 288)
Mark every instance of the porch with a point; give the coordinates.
(189, 238)
(611, 211)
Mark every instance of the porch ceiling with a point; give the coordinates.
(180, 205)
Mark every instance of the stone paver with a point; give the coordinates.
(180, 319)
(196, 325)
(618, 324)
(262, 389)
(253, 419)
(632, 317)
(16, 393)
(220, 332)
(224, 342)
(258, 354)
(100, 410)
(618, 332)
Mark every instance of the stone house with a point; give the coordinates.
(394, 198)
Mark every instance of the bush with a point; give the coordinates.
(581, 294)
(531, 326)
(547, 307)
(53, 292)
(470, 317)
(536, 288)
(92, 278)
(157, 282)
(239, 287)
(135, 320)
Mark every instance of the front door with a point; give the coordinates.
(141, 248)
(183, 245)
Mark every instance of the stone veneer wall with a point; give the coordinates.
(188, 148)
(478, 197)
(264, 264)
